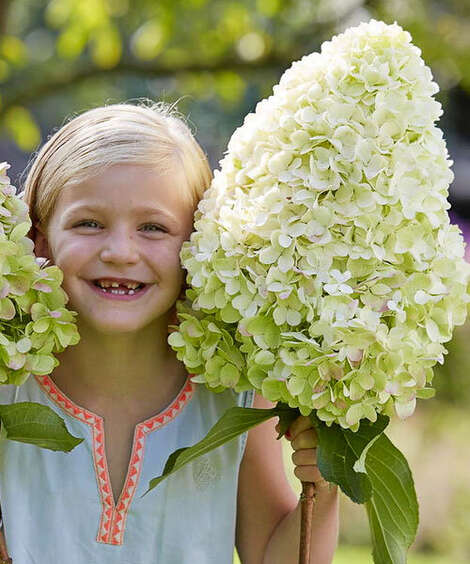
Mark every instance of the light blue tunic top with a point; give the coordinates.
(58, 507)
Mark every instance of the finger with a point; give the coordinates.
(309, 474)
(306, 439)
(305, 457)
(302, 423)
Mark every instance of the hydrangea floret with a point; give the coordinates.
(323, 270)
(34, 322)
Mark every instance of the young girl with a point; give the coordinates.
(111, 197)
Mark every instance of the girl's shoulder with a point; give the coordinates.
(27, 391)
(227, 398)
(8, 394)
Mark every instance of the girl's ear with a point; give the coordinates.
(41, 245)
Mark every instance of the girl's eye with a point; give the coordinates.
(85, 223)
(157, 227)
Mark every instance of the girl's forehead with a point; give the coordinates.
(127, 186)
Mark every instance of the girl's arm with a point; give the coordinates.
(268, 517)
(3, 545)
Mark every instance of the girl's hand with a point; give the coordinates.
(304, 441)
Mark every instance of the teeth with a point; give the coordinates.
(120, 292)
(107, 284)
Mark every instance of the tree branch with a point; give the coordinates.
(4, 7)
(51, 80)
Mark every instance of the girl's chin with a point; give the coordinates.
(100, 328)
(108, 323)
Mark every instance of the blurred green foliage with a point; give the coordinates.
(362, 555)
(225, 52)
(451, 380)
(435, 443)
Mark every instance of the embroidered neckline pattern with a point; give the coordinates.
(113, 516)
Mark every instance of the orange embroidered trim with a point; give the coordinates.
(113, 517)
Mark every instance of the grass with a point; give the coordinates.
(362, 555)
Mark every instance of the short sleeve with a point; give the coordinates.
(245, 400)
(8, 394)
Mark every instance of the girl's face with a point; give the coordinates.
(126, 222)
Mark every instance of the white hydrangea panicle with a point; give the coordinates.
(323, 269)
(34, 322)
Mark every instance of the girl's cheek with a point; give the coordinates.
(71, 252)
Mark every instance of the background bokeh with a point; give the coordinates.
(217, 59)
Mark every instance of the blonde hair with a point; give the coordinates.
(149, 133)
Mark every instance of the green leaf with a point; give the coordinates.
(360, 464)
(393, 508)
(233, 422)
(286, 416)
(336, 456)
(22, 127)
(36, 424)
(106, 47)
(148, 40)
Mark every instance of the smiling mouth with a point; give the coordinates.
(119, 290)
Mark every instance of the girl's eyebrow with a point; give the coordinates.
(139, 210)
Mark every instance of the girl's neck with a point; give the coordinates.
(138, 370)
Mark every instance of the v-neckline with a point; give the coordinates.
(113, 516)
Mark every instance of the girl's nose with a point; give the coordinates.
(119, 247)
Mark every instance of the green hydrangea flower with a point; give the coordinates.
(34, 322)
(323, 269)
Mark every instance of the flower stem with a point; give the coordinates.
(307, 500)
